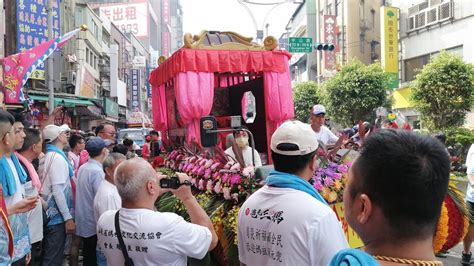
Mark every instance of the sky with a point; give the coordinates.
(229, 15)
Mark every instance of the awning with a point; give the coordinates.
(69, 102)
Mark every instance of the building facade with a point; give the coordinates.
(352, 26)
(427, 27)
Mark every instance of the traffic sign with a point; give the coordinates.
(300, 45)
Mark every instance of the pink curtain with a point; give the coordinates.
(278, 100)
(194, 96)
(160, 118)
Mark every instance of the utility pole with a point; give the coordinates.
(311, 32)
(50, 59)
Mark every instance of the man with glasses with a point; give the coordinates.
(106, 131)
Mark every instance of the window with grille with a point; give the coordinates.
(445, 11)
(420, 20)
(432, 16)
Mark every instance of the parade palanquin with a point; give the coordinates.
(197, 95)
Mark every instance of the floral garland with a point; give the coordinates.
(330, 181)
(453, 223)
(221, 187)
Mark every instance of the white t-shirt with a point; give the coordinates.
(107, 198)
(152, 238)
(326, 136)
(469, 158)
(35, 216)
(18, 221)
(247, 154)
(287, 227)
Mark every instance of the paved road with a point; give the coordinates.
(454, 256)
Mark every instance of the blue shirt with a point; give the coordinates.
(89, 177)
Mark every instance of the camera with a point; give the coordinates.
(172, 183)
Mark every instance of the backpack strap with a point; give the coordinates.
(128, 260)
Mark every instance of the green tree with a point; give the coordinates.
(442, 91)
(353, 93)
(305, 96)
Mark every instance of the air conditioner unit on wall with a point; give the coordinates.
(434, 2)
(413, 10)
(71, 77)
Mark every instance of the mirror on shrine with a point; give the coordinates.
(249, 108)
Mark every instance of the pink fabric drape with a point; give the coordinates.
(279, 104)
(194, 97)
(222, 61)
(160, 117)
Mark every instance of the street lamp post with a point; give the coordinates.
(50, 59)
(274, 5)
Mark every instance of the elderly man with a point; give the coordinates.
(107, 197)
(89, 177)
(288, 210)
(106, 131)
(151, 237)
(394, 195)
(57, 192)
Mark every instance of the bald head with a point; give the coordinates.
(131, 178)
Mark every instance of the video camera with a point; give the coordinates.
(173, 183)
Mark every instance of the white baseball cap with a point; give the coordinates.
(51, 132)
(65, 128)
(319, 109)
(297, 133)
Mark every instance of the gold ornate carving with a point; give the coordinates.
(161, 59)
(238, 42)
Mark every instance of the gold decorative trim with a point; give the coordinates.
(240, 42)
(161, 59)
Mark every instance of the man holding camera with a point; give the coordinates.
(149, 237)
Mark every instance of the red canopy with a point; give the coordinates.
(221, 61)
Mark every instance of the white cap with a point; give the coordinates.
(319, 109)
(297, 133)
(65, 128)
(51, 132)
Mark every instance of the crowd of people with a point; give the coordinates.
(62, 189)
(49, 180)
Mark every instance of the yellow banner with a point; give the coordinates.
(352, 237)
(389, 44)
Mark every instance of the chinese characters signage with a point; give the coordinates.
(131, 17)
(389, 21)
(32, 26)
(300, 45)
(165, 11)
(165, 21)
(135, 90)
(330, 37)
